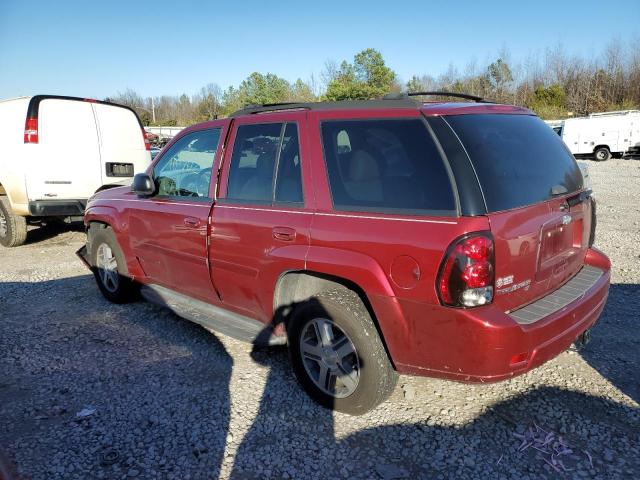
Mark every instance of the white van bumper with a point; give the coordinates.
(57, 208)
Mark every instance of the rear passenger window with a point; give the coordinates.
(262, 153)
(386, 166)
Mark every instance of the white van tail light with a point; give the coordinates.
(466, 274)
(147, 145)
(31, 130)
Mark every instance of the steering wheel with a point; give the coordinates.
(197, 184)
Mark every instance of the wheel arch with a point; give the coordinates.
(103, 221)
(601, 146)
(102, 214)
(297, 286)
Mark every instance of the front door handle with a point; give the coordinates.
(192, 222)
(284, 234)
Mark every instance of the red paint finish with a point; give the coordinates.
(232, 254)
(169, 240)
(477, 344)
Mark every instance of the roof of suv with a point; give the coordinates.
(395, 101)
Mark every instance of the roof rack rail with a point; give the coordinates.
(391, 100)
(270, 107)
(397, 96)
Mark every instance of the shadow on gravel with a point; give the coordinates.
(153, 388)
(544, 432)
(614, 350)
(290, 440)
(160, 389)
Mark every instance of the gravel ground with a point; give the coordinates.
(94, 390)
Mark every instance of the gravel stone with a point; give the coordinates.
(175, 401)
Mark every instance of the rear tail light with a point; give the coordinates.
(467, 272)
(147, 145)
(31, 130)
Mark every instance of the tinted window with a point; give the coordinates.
(260, 150)
(185, 169)
(289, 178)
(386, 165)
(253, 162)
(519, 160)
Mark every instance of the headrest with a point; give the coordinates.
(264, 164)
(363, 167)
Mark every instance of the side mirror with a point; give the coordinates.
(143, 185)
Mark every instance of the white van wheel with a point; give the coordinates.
(13, 229)
(602, 154)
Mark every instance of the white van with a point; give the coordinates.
(603, 135)
(56, 152)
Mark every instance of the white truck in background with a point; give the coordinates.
(602, 135)
(57, 152)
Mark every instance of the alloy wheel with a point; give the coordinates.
(107, 267)
(329, 358)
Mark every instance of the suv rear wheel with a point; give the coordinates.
(13, 228)
(337, 354)
(109, 267)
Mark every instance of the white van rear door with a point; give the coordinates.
(121, 144)
(65, 164)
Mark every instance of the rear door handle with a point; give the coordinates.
(192, 222)
(284, 234)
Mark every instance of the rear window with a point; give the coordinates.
(386, 166)
(519, 160)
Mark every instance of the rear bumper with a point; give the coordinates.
(57, 208)
(487, 345)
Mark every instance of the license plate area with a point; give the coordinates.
(558, 247)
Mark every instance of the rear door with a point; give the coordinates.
(261, 219)
(532, 189)
(168, 232)
(122, 148)
(66, 159)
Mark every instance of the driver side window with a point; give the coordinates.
(185, 169)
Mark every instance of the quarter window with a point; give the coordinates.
(185, 169)
(260, 154)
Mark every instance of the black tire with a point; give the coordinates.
(376, 378)
(13, 229)
(601, 154)
(114, 283)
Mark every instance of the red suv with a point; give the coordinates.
(451, 240)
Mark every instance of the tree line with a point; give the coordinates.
(553, 83)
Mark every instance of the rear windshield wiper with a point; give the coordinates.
(557, 190)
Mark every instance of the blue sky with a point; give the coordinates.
(97, 48)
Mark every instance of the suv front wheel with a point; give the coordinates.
(109, 267)
(337, 354)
